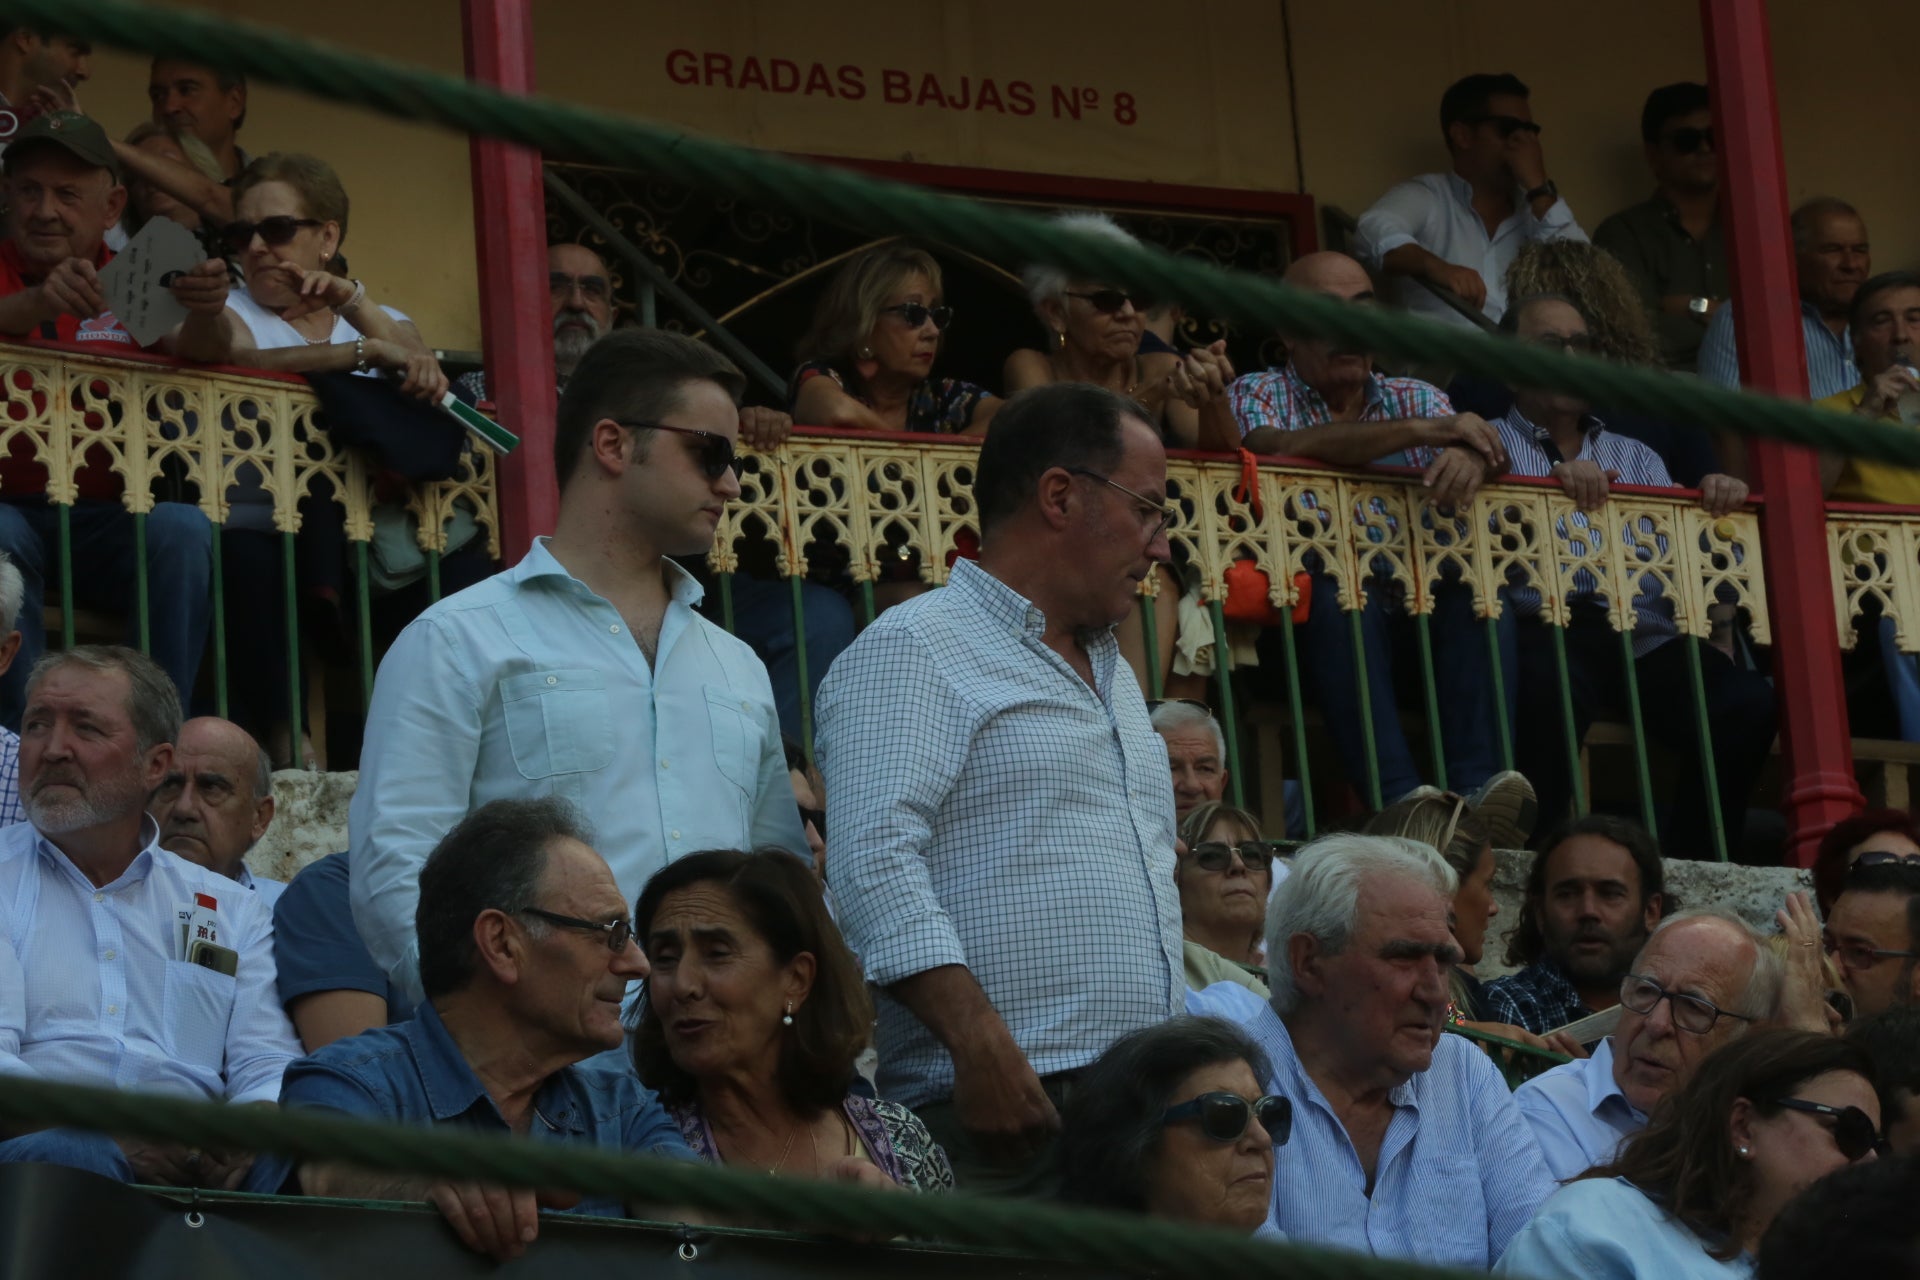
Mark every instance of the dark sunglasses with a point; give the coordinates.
(274, 231)
(1684, 142)
(1217, 855)
(1853, 1130)
(917, 314)
(1508, 125)
(818, 817)
(1881, 858)
(716, 454)
(616, 933)
(1223, 1116)
(1109, 301)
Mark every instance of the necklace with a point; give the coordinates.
(788, 1149)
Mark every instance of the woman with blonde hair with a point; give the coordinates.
(1224, 878)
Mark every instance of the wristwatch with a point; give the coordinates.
(1700, 306)
(1549, 189)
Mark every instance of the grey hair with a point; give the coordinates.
(1803, 218)
(153, 704)
(1321, 897)
(1044, 281)
(1760, 998)
(13, 590)
(262, 772)
(1172, 717)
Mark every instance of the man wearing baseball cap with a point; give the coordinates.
(64, 192)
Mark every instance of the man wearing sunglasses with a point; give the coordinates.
(1460, 231)
(526, 951)
(1873, 934)
(1002, 814)
(585, 671)
(1670, 242)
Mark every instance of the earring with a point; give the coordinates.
(1743, 1151)
(865, 353)
(786, 1019)
(1060, 338)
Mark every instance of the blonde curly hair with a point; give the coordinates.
(1599, 287)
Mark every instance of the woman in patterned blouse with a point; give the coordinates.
(868, 359)
(755, 1013)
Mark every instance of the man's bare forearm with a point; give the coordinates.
(1412, 260)
(346, 1182)
(1340, 444)
(23, 312)
(949, 1002)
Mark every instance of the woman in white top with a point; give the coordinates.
(1689, 1196)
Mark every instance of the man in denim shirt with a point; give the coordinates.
(526, 949)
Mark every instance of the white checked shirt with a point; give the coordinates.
(989, 809)
(11, 810)
(95, 987)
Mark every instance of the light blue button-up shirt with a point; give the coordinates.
(95, 987)
(1578, 1114)
(1830, 364)
(1606, 1229)
(1458, 1173)
(1435, 211)
(528, 684)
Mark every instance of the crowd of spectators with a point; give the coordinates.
(1009, 937)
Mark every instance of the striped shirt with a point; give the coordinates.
(1281, 399)
(1830, 366)
(992, 810)
(1527, 448)
(1458, 1173)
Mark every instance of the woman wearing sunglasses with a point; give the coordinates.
(1170, 1121)
(1866, 839)
(867, 361)
(1690, 1195)
(1224, 878)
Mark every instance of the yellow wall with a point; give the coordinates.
(1206, 80)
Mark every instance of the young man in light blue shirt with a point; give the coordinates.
(584, 672)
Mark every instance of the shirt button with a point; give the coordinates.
(746, 706)
(664, 765)
(110, 953)
(614, 629)
(553, 679)
(113, 1008)
(675, 833)
(99, 897)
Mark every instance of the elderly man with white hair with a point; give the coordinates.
(1196, 752)
(1406, 1143)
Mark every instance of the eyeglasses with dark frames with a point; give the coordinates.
(1110, 301)
(273, 232)
(1223, 1116)
(599, 288)
(1693, 1014)
(616, 933)
(1858, 957)
(1164, 514)
(1853, 1130)
(715, 451)
(918, 313)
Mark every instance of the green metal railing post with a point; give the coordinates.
(219, 627)
(800, 668)
(1423, 631)
(1150, 637)
(1567, 721)
(433, 576)
(291, 594)
(1703, 732)
(867, 612)
(1499, 686)
(363, 590)
(1299, 712)
(140, 605)
(1229, 721)
(1365, 685)
(726, 602)
(1634, 722)
(66, 574)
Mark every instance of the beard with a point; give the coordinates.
(569, 342)
(91, 805)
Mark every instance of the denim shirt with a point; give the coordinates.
(414, 1073)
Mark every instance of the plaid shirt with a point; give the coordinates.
(11, 810)
(1281, 398)
(1540, 998)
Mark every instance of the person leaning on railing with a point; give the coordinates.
(1174, 1123)
(1224, 877)
(1689, 1196)
(65, 192)
(754, 1016)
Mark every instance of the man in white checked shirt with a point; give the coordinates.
(1002, 809)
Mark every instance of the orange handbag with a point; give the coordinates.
(1249, 588)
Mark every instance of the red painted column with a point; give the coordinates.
(510, 230)
(1815, 748)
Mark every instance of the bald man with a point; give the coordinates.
(217, 801)
(1327, 404)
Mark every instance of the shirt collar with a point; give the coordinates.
(1590, 426)
(1601, 1085)
(1304, 390)
(453, 1089)
(1401, 1095)
(136, 870)
(1001, 602)
(539, 562)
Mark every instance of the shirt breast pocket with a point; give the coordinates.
(558, 722)
(737, 734)
(199, 1005)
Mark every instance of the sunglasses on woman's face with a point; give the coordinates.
(1881, 858)
(1109, 301)
(714, 453)
(917, 314)
(1853, 1130)
(818, 817)
(1223, 1116)
(273, 232)
(1217, 855)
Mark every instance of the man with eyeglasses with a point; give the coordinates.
(1002, 814)
(1703, 978)
(1873, 933)
(1460, 231)
(585, 671)
(1670, 243)
(581, 289)
(1554, 434)
(526, 951)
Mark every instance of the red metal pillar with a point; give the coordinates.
(1815, 747)
(510, 230)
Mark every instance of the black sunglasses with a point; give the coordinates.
(818, 817)
(1223, 1116)
(1217, 855)
(617, 933)
(917, 314)
(716, 451)
(1881, 858)
(274, 231)
(1508, 125)
(1853, 1130)
(1684, 142)
(1109, 301)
